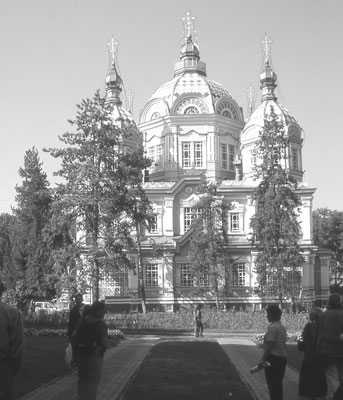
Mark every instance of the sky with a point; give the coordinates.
(54, 53)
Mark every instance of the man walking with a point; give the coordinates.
(11, 346)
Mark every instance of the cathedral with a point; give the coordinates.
(192, 127)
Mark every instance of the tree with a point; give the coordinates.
(8, 227)
(209, 243)
(142, 217)
(32, 212)
(97, 177)
(328, 233)
(275, 226)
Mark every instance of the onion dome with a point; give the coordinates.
(114, 84)
(190, 91)
(269, 106)
(269, 103)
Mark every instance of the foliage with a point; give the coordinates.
(275, 225)
(112, 333)
(8, 267)
(228, 321)
(97, 174)
(32, 212)
(209, 243)
(328, 233)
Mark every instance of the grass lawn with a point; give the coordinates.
(203, 366)
(44, 361)
(187, 370)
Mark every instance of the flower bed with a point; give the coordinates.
(112, 333)
(291, 338)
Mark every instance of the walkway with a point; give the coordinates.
(122, 363)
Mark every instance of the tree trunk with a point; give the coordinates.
(141, 287)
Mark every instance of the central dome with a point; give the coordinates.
(191, 91)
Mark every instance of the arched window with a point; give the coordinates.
(191, 105)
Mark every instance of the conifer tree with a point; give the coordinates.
(95, 189)
(275, 225)
(32, 212)
(209, 252)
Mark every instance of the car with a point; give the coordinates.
(45, 306)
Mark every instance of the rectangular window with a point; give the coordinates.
(295, 159)
(234, 222)
(151, 275)
(154, 226)
(186, 154)
(198, 158)
(159, 154)
(224, 156)
(186, 278)
(117, 279)
(189, 215)
(239, 274)
(151, 153)
(231, 157)
(204, 280)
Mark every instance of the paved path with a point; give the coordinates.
(245, 354)
(122, 363)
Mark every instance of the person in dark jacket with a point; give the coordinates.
(11, 346)
(199, 327)
(89, 341)
(312, 380)
(75, 314)
(329, 347)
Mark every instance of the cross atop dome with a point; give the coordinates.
(266, 48)
(113, 49)
(188, 26)
(251, 100)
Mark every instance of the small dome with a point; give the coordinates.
(255, 123)
(189, 49)
(122, 118)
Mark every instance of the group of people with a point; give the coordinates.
(321, 373)
(87, 334)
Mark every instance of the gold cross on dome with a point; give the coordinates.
(266, 46)
(130, 95)
(188, 24)
(113, 48)
(251, 100)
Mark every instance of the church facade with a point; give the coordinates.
(192, 127)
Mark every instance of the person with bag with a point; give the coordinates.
(89, 342)
(312, 380)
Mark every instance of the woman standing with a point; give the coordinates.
(274, 353)
(312, 380)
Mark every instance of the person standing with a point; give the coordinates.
(274, 353)
(329, 347)
(11, 346)
(312, 381)
(89, 341)
(75, 314)
(199, 327)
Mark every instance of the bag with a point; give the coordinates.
(69, 356)
(85, 337)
